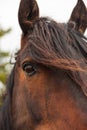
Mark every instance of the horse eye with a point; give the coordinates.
(30, 69)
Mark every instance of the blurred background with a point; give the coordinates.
(10, 31)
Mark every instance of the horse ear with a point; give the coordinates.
(79, 17)
(27, 14)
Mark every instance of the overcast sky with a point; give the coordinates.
(59, 10)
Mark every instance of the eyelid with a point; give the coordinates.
(27, 60)
(31, 63)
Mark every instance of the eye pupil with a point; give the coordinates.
(29, 69)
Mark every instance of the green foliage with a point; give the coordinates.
(3, 64)
(3, 77)
(1, 100)
(3, 32)
(3, 57)
(3, 54)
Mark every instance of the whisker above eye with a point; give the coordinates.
(13, 57)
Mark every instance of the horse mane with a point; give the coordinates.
(5, 113)
(58, 45)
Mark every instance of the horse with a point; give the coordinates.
(47, 88)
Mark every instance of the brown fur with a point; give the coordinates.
(47, 89)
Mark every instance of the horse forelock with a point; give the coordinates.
(58, 45)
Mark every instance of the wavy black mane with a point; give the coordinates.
(58, 45)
